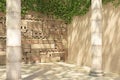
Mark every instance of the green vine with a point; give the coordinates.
(63, 9)
(2, 5)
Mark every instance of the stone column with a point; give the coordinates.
(13, 39)
(96, 37)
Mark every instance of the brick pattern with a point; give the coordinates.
(49, 33)
(46, 33)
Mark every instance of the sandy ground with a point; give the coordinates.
(57, 71)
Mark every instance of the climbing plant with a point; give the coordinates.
(2, 5)
(63, 9)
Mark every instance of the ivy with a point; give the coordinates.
(2, 5)
(63, 9)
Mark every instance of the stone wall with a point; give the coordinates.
(79, 40)
(44, 39)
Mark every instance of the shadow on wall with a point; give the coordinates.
(111, 38)
(79, 40)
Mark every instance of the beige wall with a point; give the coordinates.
(79, 38)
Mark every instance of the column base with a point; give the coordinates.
(96, 73)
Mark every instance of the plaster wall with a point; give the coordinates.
(79, 39)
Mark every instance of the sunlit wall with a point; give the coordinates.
(79, 39)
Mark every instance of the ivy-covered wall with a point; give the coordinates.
(62, 9)
(79, 39)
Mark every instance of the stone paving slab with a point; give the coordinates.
(57, 71)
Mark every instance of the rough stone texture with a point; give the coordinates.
(44, 36)
(39, 35)
(79, 38)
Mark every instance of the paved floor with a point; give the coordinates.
(57, 71)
